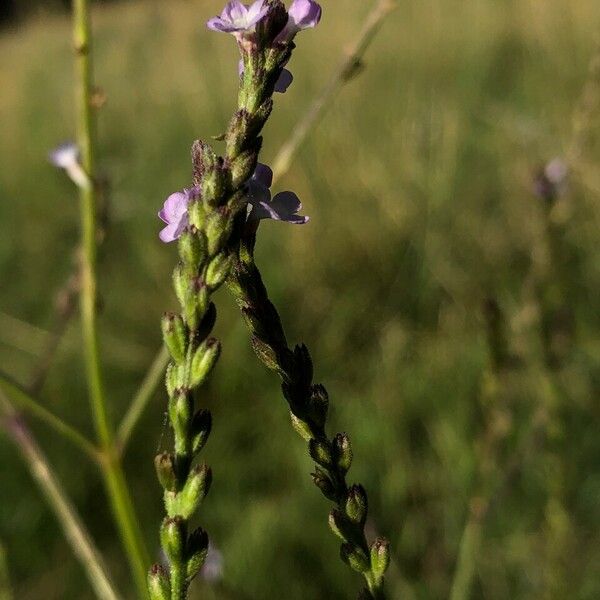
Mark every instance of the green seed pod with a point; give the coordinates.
(197, 549)
(175, 336)
(194, 490)
(342, 451)
(197, 215)
(201, 427)
(180, 283)
(380, 557)
(218, 269)
(302, 427)
(242, 168)
(165, 470)
(159, 586)
(355, 557)
(265, 353)
(340, 525)
(357, 505)
(320, 452)
(173, 533)
(204, 360)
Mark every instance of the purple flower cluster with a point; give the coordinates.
(282, 207)
(240, 19)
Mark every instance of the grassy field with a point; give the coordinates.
(419, 187)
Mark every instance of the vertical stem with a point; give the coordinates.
(74, 530)
(116, 487)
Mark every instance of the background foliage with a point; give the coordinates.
(418, 184)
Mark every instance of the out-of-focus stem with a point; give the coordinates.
(28, 403)
(344, 72)
(147, 388)
(66, 514)
(121, 503)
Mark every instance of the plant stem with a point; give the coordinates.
(66, 514)
(138, 405)
(121, 503)
(28, 403)
(348, 66)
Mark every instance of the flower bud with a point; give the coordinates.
(201, 427)
(340, 525)
(380, 557)
(165, 471)
(175, 377)
(319, 405)
(197, 214)
(209, 174)
(355, 557)
(357, 505)
(173, 532)
(218, 229)
(180, 414)
(265, 353)
(194, 490)
(342, 451)
(320, 452)
(180, 283)
(218, 269)
(192, 247)
(243, 167)
(302, 427)
(197, 549)
(204, 360)
(323, 482)
(159, 586)
(174, 335)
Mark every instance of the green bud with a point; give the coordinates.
(192, 247)
(355, 557)
(218, 269)
(323, 482)
(302, 427)
(319, 405)
(165, 470)
(380, 557)
(357, 505)
(180, 414)
(320, 452)
(265, 353)
(201, 426)
(218, 229)
(196, 552)
(204, 360)
(175, 378)
(243, 167)
(174, 335)
(159, 586)
(194, 490)
(209, 174)
(341, 526)
(197, 216)
(180, 283)
(173, 533)
(342, 451)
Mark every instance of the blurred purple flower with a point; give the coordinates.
(282, 207)
(283, 82)
(174, 214)
(212, 569)
(551, 180)
(302, 14)
(239, 19)
(67, 157)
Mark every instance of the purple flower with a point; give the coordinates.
(283, 82)
(303, 14)
(282, 207)
(551, 181)
(175, 214)
(67, 157)
(238, 18)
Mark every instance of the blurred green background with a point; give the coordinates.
(418, 183)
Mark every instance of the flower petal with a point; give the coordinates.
(284, 81)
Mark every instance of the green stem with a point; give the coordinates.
(121, 503)
(138, 405)
(28, 403)
(66, 514)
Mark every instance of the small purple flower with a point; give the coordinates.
(551, 181)
(67, 157)
(239, 19)
(212, 569)
(303, 14)
(175, 214)
(282, 207)
(283, 82)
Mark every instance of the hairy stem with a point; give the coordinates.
(66, 514)
(120, 499)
